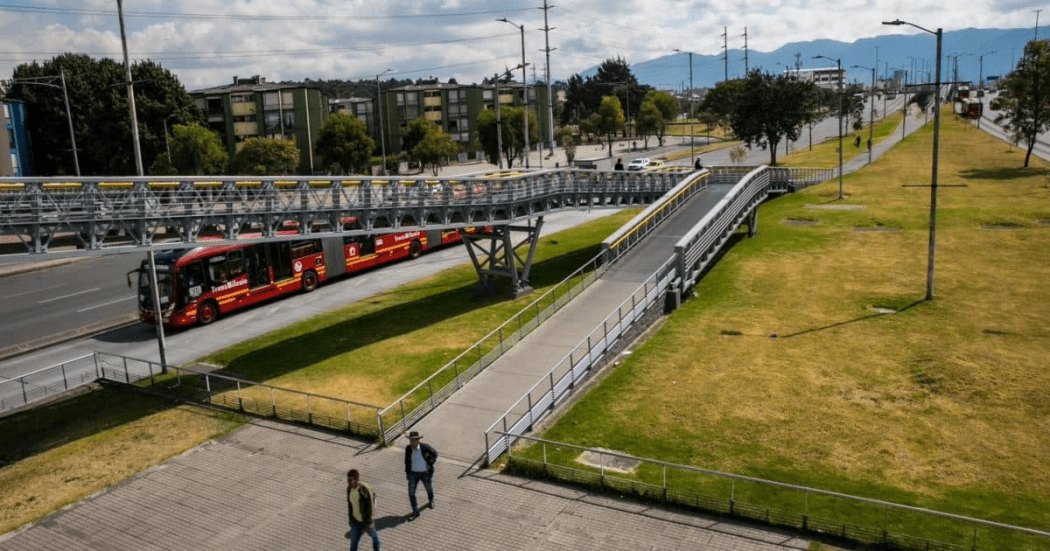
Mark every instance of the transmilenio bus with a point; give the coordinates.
(198, 285)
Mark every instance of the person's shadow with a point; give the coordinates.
(383, 523)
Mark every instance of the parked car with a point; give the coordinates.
(638, 164)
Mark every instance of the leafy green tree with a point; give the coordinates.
(610, 119)
(344, 143)
(196, 151)
(266, 157)
(434, 148)
(650, 121)
(719, 104)
(772, 108)
(99, 106)
(565, 137)
(1023, 105)
(414, 133)
(668, 107)
(512, 123)
(583, 98)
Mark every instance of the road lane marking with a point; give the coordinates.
(105, 304)
(70, 295)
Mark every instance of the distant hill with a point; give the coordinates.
(1000, 48)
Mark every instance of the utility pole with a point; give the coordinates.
(550, 98)
(499, 126)
(131, 92)
(746, 68)
(1037, 24)
(725, 50)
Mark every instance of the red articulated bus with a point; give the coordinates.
(200, 284)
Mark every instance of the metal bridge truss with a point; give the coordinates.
(500, 258)
(118, 214)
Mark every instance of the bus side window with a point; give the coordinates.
(236, 264)
(194, 280)
(368, 245)
(217, 273)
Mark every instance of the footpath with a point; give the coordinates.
(273, 486)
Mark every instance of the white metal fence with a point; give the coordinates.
(46, 382)
(859, 519)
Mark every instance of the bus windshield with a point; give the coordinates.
(163, 283)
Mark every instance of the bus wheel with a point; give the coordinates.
(415, 249)
(309, 280)
(207, 312)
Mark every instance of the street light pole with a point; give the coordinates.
(692, 154)
(379, 106)
(131, 92)
(524, 86)
(65, 95)
(936, 147)
(838, 64)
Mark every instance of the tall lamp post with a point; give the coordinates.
(871, 111)
(379, 105)
(692, 154)
(838, 63)
(48, 81)
(524, 86)
(131, 94)
(936, 147)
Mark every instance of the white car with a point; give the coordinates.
(638, 164)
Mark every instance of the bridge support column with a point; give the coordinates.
(752, 223)
(495, 256)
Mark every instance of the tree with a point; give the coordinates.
(568, 142)
(99, 106)
(434, 148)
(512, 123)
(196, 151)
(1023, 104)
(720, 103)
(583, 98)
(344, 142)
(266, 157)
(650, 121)
(668, 108)
(610, 119)
(414, 133)
(772, 108)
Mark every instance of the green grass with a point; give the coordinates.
(942, 405)
(826, 153)
(370, 351)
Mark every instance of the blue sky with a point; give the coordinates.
(206, 43)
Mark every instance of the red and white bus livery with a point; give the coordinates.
(200, 284)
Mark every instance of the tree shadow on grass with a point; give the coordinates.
(1001, 174)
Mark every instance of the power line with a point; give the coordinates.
(176, 15)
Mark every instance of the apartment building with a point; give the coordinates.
(14, 141)
(454, 107)
(825, 77)
(253, 108)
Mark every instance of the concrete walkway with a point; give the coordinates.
(274, 487)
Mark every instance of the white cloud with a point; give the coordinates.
(205, 43)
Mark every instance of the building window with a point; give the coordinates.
(271, 100)
(273, 122)
(289, 120)
(242, 98)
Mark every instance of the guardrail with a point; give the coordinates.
(558, 383)
(777, 503)
(625, 238)
(240, 394)
(49, 381)
(120, 213)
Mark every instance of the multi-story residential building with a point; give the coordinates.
(826, 77)
(254, 108)
(14, 141)
(454, 107)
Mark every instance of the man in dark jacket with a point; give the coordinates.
(360, 501)
(419, 466)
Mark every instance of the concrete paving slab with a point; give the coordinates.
(269, 486)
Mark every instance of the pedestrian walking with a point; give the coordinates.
(361, 501)
(619, 164)
(698, 165)
(419, 466)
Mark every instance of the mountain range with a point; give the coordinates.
(977, 53)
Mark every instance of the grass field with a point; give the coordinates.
(782, 368)
(371, 351)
